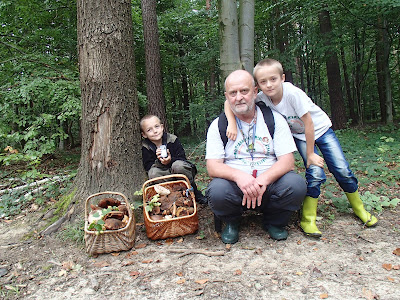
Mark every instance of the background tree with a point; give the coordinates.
(154, 84)
(111, 144)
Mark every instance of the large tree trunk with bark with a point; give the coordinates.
(154, 83)
(111, 144)
(333, 73)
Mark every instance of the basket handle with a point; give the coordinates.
(148, 182)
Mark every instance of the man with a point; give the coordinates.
(254, 171)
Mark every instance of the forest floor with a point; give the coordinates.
(348, 262)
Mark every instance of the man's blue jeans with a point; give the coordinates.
(329, 146)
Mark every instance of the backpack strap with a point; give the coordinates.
(268, 118)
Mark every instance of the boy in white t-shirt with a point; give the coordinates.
(311, 128)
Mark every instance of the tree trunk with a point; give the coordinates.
(384, 80)
(111, 145)
(350, 100)
(229, 37)
(154, 83)
(246, 34)
(333, 73)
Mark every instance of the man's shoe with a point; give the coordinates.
(277, 233)
(230, 235)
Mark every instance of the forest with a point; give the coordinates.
(76, 77)
(40, 94)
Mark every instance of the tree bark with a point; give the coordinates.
(350, 100)
(111, 145)
(246, 34)
(154, 83)
(229, 37)
(333, 73)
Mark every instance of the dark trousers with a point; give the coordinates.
(278, 203)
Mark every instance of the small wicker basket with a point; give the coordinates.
(110, 240)
(168, 228)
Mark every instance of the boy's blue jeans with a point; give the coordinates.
(328, 144)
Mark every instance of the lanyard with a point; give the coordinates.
(250, 147)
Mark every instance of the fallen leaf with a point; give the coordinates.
(206, 272)
(390, 278)
(238, 272)
(397, 252)
(134, 274)
(180, 274)
(397, 267)
(258, 251)
(180, 240)
(128, 263)
(228, 246)
(62, 273)
(101, 264)
(387, 267)
(298, 242)
(315, 249)
(323, 296)
(67, 265)
(131, 253)
(361, 258)
(181, 281)
(115, 253)
(202, 281)
(169, 241)
(368, 294)
(147, 261)
(140, 246)
(299, 273)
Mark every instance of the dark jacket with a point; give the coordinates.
(173, 145)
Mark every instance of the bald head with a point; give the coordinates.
(239, 75)
(240, 92)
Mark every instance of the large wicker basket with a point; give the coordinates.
(110, 240)
(179, 226)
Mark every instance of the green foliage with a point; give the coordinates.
(74, 232)
(153, 202)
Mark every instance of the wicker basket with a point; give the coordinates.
(168, 228)
(110, 240)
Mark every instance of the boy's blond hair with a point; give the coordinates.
(267, 62)
(146, 117)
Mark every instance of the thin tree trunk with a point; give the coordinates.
(246, 34)
(154, 83)
(229, 37)
(333, 73)
(350, 99)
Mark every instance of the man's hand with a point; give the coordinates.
(315, 159)
(252, 191)
(165, 161)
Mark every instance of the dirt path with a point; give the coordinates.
(347, 263)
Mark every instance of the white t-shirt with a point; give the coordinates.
(266, 151)
(295, 104)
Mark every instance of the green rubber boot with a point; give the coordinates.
(358, 208)
(309, 216)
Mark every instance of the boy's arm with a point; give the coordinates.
(312, 157)
(231, 130)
